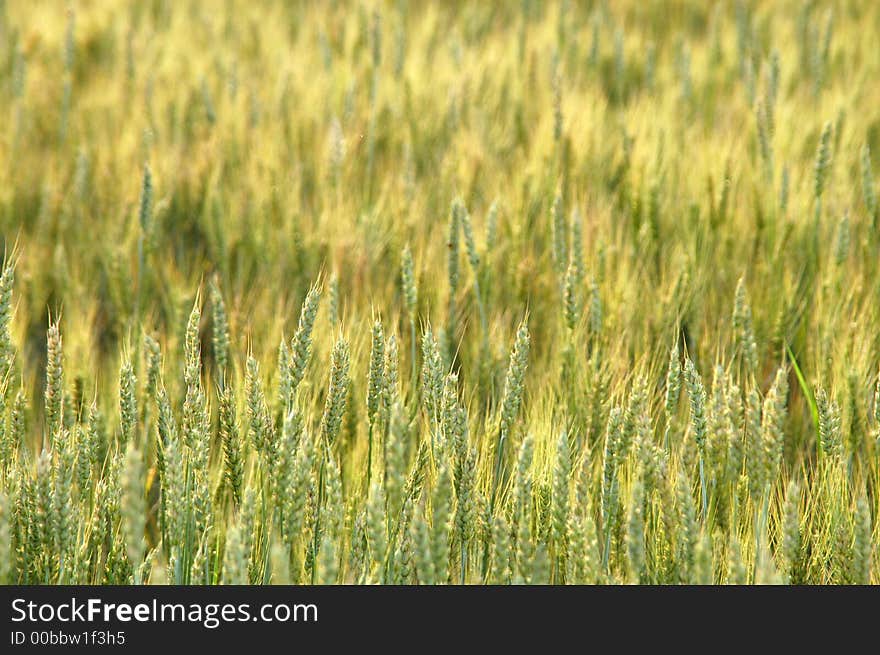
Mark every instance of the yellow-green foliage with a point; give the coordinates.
(428, 292)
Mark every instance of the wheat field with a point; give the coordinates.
(439, 293)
